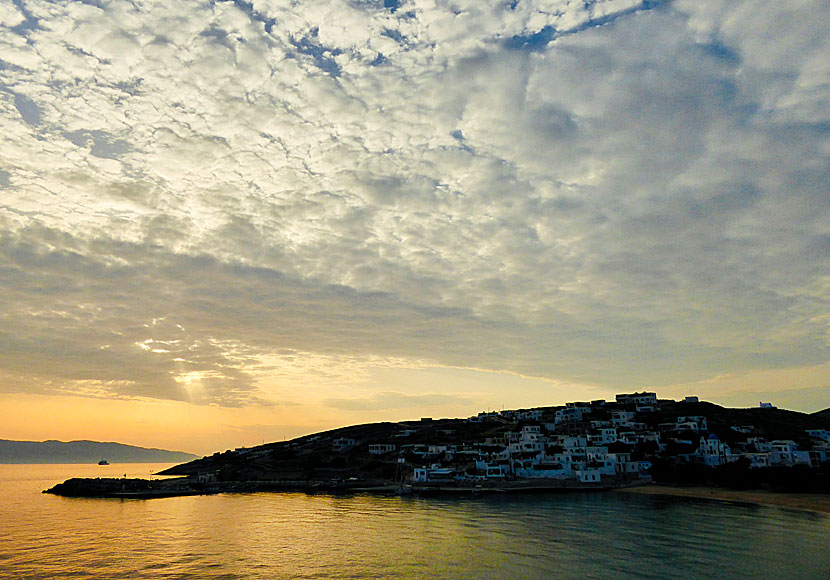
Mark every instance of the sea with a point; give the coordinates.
(272, 536)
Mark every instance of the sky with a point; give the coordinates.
(227, 223)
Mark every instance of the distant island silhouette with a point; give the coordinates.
(85, 452)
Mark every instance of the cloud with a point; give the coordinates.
(388, 400)
(608, 192)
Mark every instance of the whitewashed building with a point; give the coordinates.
(381, 448)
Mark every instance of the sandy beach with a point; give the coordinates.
(801, 501)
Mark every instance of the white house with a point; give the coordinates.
(822, 434)
(757, 459)
(761, 445)
(785, 452)
(713, 451)
(619, 418)
(573, 441)
(381, 448)
(433, 474)
(545, 470)
(587, 475)
(643, 398)
(699, 420)
(604, 436)
(569, 415)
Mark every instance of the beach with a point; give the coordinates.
(801, 501)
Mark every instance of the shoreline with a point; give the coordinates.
(798, 501)
(149, 489)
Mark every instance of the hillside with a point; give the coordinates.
(311, 457)
(822, 415)
(317, 457)
(768, 423)
(84, 452)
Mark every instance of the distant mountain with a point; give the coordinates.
(84, 452)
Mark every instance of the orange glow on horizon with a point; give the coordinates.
(169, 425)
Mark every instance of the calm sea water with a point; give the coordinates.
(274, 536)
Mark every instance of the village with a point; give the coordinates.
(590, 444)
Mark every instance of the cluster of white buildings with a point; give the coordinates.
(763, 453)
(591, 443)
(534, 452)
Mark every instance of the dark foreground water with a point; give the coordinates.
(273, 536)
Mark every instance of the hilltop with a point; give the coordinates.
(84, 452)
(822, 415)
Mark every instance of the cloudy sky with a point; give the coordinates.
(228, 222)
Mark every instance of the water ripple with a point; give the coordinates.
(293, 536)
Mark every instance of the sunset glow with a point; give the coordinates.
(223, 223)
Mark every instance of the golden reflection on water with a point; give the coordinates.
(320, 536)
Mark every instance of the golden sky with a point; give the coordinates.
(223, 223)
(204, 429)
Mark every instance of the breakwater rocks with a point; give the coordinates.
(147, 489)
(124, 488)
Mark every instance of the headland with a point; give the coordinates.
(598, 445)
